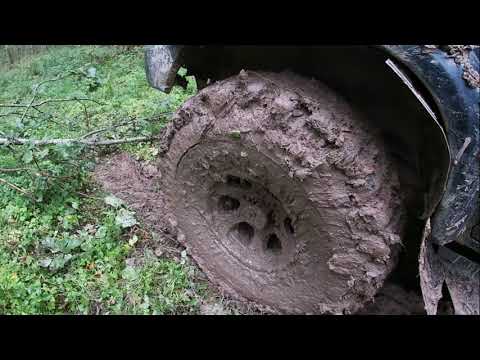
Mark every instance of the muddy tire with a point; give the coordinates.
(283, 194)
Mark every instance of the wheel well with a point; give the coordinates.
(361, 76)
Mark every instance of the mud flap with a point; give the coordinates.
(161, 64)
(432, 274)
(461, 276)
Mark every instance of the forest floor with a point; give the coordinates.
(65, 246)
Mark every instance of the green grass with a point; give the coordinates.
(60, 251)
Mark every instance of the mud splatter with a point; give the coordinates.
(461, 56)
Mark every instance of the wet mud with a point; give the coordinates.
(280, 191)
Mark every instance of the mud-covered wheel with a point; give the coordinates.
(283, 194)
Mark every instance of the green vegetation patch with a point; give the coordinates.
(64, 246)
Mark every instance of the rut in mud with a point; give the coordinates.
(280, 191)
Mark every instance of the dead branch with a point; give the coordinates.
(19, 189)
(40, 173)
(16, 113)
(123, 123)
(80, 141)
(35, 91)
(85, 139)
(43, 102)
(89, 196)
(8, 170)
(113, 127)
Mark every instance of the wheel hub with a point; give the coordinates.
(251, 223)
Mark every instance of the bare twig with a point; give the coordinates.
(31, 102)
(32, 173)
(8, 170)
(35, 90)
(170, 249)
(91, 133)
(87, 118)
(80, 141)
(51, 80)
(123, 123)
(36, 105)
(13, 186)
(16, 113)
(36, 163)
(89, 196)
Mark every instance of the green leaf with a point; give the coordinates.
(235, 135)
(45, 262)
(27, 157)
(182, 72)
(50, 244)
(183, 256)
(92, 72)
(129, 273)
(113, 201)
(71, 244)
(133, 240)
(19, 124)
(56, 262)
(42, 154)
(69, 221)
(125, 218)
(59, 261)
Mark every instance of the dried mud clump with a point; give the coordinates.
(461, 56)
(280, 191)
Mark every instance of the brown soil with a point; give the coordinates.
(283, 197)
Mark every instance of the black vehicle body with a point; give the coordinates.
(420, 98)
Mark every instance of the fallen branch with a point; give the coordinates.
(51, 80)
(94, 132)
(8, 170)
(90, 196)
(36, 105)
(80, 141)
(124, 123)
(39, 173)
(35, 91)
(19, 189)
(16, 113)
(85, 139)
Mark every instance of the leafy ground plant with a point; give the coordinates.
(64, 246)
